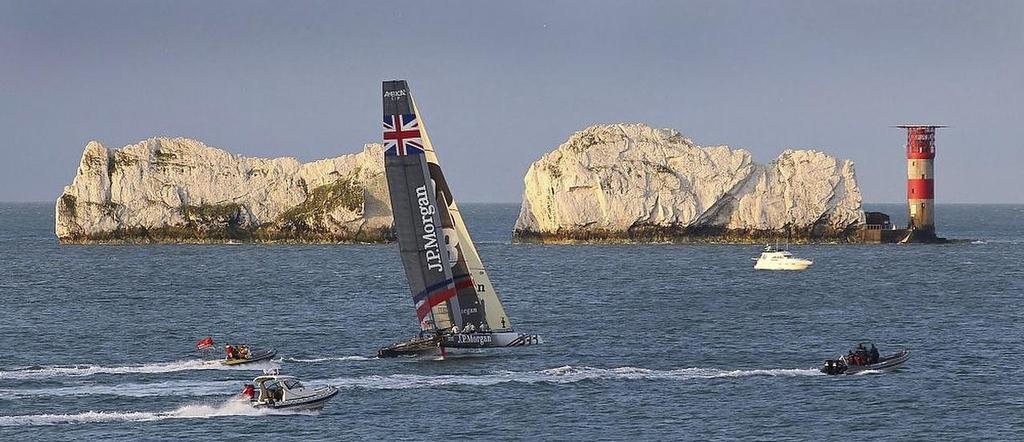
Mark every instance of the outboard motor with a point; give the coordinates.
(834, 366)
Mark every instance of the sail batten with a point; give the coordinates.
(447, 279)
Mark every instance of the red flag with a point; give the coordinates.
(204, 343)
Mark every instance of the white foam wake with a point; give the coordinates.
(178, 388)
(52, 371)
(233, 407)
(328, 359)
(561, 375)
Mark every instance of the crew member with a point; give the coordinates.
(230, 351)
(455, 329)
(248, 391)
(874, 354)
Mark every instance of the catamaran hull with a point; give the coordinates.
(494, 339)
(412, 347)
(440, 345)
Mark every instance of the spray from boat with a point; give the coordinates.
(232, 407)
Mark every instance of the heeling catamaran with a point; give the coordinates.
(455, 302)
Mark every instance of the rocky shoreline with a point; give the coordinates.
(178, 190)
(634, 183)
(685, 235)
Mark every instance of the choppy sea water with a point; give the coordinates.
(642, 342)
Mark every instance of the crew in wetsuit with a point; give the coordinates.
(874, 354)
(861, 354)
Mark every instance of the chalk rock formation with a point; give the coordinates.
(634, 182)
(180, 190)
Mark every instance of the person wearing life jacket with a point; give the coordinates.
(230, 351)
(874, 354)
(455, 329)
(248, 391)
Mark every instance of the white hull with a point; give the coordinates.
(795, 264)
(775, 259)
(315, 401)
(285, 392)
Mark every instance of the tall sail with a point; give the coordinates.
(447, 279)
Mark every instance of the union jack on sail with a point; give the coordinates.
(402, 135)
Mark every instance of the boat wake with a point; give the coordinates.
(560, 375)
(180, 388)
(233, 407)
(53, 371)
(328, 359)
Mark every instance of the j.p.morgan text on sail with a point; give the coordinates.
(429, 232)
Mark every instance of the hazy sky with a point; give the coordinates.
(501, 83)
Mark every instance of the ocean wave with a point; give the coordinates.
(233, 407)
(53, 371)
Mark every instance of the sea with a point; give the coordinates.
(641, 342)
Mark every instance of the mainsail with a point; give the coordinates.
(447, 279)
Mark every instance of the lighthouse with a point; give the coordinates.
(921, 182)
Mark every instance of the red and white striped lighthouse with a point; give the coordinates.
(921, 178)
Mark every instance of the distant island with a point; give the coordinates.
(180, 190)
(635, 183)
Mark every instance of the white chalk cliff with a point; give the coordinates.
(631, 181)
(180, 190)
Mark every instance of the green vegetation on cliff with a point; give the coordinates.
(323, 200)
(229, 213)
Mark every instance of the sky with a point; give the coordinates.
(501, 83)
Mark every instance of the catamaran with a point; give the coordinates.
(456, 304)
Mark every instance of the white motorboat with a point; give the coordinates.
(774, 258)
(286, 392)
